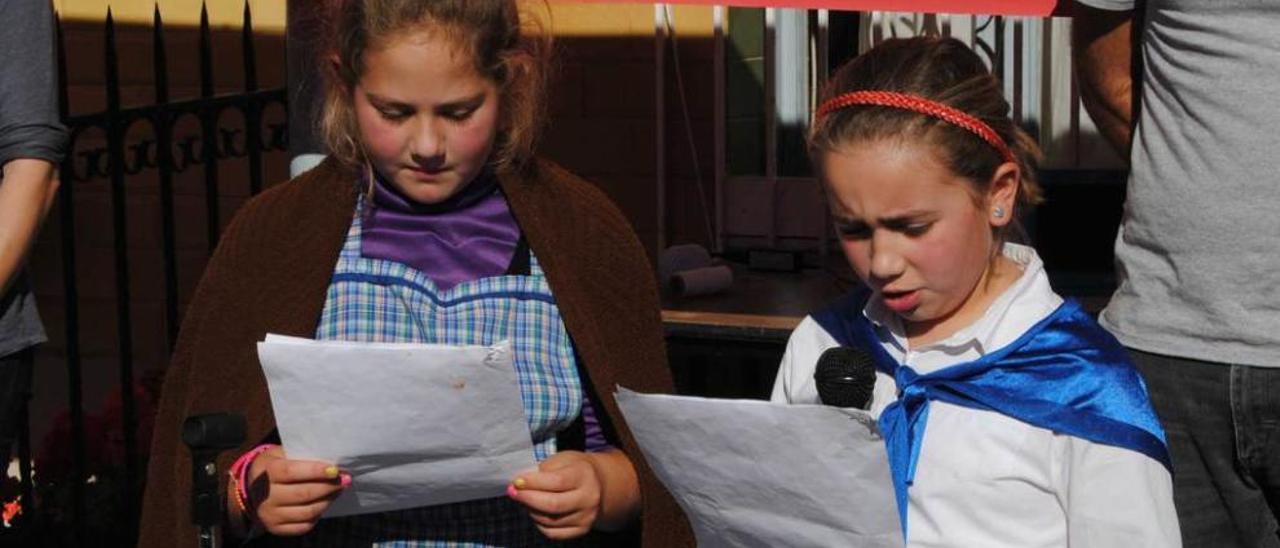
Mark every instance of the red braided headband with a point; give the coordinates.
(923, 106)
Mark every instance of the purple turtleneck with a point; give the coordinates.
(471, 235)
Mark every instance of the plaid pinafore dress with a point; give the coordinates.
(375, 300)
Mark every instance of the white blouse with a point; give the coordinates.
(985, 479)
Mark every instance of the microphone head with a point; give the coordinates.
(845, 377)
(214, 431)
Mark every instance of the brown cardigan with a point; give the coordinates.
(270, 274)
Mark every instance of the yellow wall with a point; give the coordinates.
(567, 18)
(630, 19)
(268, 15)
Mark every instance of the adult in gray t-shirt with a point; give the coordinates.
(32, 142)
(1198, 250)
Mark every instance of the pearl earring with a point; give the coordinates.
(998, 212)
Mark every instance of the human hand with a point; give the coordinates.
(291, 494)
(563, 496)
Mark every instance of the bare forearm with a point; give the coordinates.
(620, 489)
(1103, 44)
(26, 193)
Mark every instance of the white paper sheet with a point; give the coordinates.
(414, 424)
(752, 473)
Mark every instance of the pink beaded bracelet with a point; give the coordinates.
(239, 482)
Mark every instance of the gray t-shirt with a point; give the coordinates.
(29, 128)
(1198, 253)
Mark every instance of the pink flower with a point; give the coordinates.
(11, 510)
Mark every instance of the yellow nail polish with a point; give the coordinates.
(519, 483)
(331, 472)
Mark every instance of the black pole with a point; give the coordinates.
(163, 120)
(208, 126)
(253, 111)
(124, 326)
(70, 289)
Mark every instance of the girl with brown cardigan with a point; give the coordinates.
(430, 117)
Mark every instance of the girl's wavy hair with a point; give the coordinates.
(514, 58)
(946, 71)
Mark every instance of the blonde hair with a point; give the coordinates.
(490, 31)
(945, 71)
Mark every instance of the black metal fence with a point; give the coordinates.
(58, 514)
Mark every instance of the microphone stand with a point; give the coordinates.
(207, 436)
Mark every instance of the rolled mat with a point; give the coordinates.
(701, 281)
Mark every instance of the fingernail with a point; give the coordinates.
(331, 472)
(518, 483)
(511, 491)
(346, 480)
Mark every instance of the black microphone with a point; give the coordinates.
(214, 431)
(206, 436)
(845, 377)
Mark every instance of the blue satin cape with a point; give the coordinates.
(1065, 374)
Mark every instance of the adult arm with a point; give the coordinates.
(1103, 46)
(26, 193)
(31, 138)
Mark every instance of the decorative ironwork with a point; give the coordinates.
(119, 158)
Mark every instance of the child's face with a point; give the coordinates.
(427, 118)
(913, 231)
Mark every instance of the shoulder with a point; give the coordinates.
(809, 334)
(794, 382)
(319, 196)
(1072, 317)
(847, 306)
(576, 195)
(315, 190)
(808, 341)
(563, 215)
(839, 317)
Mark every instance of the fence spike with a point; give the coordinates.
(112, 65)
(206, 53)
(160, 61)
(250, 60)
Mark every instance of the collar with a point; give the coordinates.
(1019, 307)
(387, 196)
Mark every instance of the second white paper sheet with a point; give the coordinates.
(415, 425)
(752, 473)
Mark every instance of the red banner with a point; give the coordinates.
(1001, 7)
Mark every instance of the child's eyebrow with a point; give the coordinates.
(845, 219)
(905, 217)
(463, 102)
(388, 102)
(897, 219)
(384, 101)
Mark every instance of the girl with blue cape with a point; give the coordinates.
(1009, 416)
